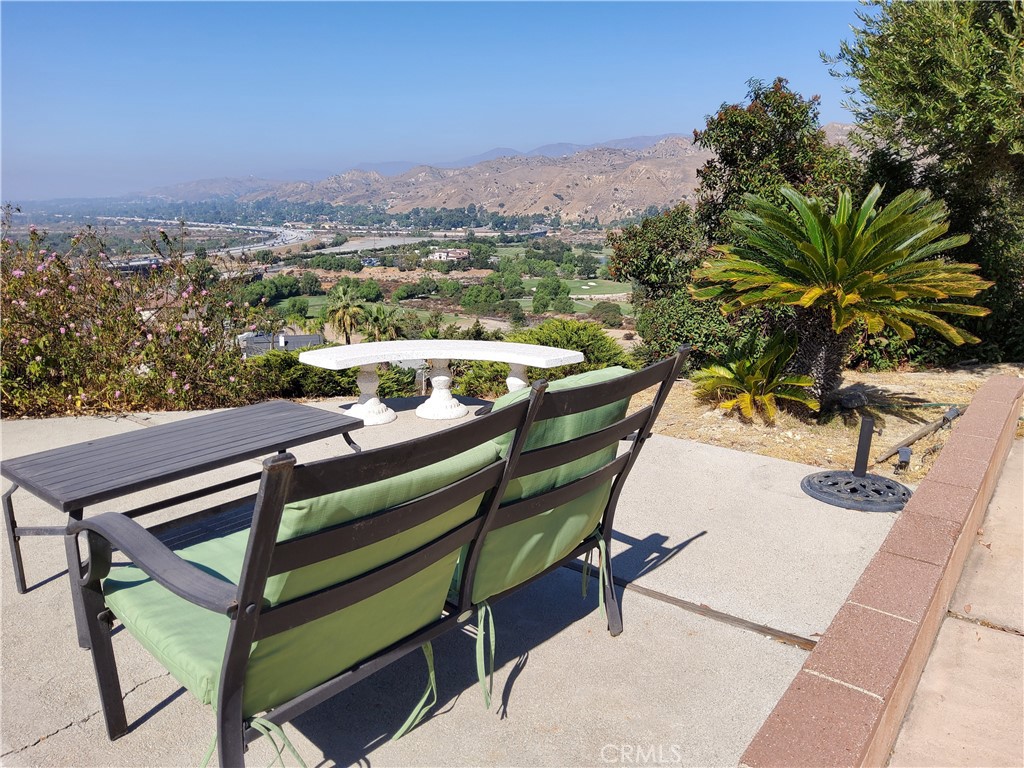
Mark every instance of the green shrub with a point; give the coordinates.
(78, 336)
(667, 323)
(396, 382)
(285, 376)
(607, 313)
(886, 351)
(484, 378)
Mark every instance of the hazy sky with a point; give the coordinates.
(111, 98)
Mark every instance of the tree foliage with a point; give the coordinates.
(940, 105)
(657, 254)
(942, 81)
(773, 140)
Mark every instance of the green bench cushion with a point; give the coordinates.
(190, 641)
(517, 552)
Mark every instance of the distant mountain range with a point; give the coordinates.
(611, 180)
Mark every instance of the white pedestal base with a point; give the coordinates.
(441, 404)
(373, 412)
(369, 408)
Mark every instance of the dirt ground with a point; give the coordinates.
(901, 403)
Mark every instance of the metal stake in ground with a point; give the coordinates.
(857, 489)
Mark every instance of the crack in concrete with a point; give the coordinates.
(985, 623)
(82, 721)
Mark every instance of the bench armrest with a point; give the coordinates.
(155, 559)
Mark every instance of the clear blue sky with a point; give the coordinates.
(110, 98)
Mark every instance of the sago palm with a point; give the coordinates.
(755, 383)
(881, 266)
(344, 310)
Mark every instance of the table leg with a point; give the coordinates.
(74, 575)
(14, 540)
(369, 408)
(441, 404)
(517, 377)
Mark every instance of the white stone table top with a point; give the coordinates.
(341, 357)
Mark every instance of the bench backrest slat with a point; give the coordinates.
(311, 607)
(564, 486)
(362, 547)
(347, 537)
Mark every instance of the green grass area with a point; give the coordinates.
(315, 303)
(510, 250)
(600, 287)
(579, 306)
(446, 318)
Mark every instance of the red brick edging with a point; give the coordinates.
(846, 705)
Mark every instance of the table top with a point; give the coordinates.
(88, 473)
(351, 355)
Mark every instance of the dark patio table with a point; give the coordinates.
(77, 476)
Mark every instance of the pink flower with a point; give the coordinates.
(73, 288)
(63, 329)
(231, 379)
(17, 273)
(187, 387)
(24, 340)
(170, 390)
(38, 358)
(117, 283)
(177, 327)
(40, 268)
(230, 304)
(203, 292)
(174, 374)
(149, 337)
(117, 393)
(103, 255)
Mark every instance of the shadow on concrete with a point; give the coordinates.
(350, 726)
(644, 555)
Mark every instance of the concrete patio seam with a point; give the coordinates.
(985, 623)
(911, 578)
(706, 611)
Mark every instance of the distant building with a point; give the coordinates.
(257, 343)
(450, 254)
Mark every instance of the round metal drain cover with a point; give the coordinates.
(870, 493)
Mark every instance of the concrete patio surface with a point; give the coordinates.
(698, 527)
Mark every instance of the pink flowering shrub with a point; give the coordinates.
(77, 336)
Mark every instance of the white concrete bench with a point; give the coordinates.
(440, 404)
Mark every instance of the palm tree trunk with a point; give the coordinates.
(821, 353)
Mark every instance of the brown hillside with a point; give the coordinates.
(604, 182)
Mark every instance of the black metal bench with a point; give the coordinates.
(352, 562)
